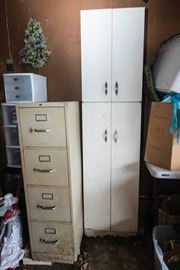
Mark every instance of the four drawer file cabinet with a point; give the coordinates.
(50, 151)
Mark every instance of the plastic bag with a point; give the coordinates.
(174, 99)
(10, 233)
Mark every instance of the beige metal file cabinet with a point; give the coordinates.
(51, 161)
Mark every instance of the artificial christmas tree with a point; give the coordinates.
(35, 53)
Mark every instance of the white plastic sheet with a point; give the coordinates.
(10, 233)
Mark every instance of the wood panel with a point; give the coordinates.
(60, 21)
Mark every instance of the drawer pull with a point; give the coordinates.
(53, 207)
(17, 96)
(15, 79)
(40, 130)
(116, 88)
(46, 241)
(43, 170)
(16, 87)
(115, 136)
(106, 88)
(105, 135)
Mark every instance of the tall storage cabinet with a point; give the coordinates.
(112, 61)
(51, 162)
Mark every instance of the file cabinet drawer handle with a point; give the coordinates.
(43, 170)
(46, 241)
(53, 207)
(39, 130)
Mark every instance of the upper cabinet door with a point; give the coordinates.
(127, 54)
(96, 54)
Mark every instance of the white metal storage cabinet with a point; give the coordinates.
(51, 161)
(112, 54)
(112, 62)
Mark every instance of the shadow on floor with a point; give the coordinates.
(110, 253)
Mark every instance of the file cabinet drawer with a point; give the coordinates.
(40, 126)
(46, 166)
(47, 203)
(52, 237)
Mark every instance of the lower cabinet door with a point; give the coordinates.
(96, 162)
(126, 127)
(52, 237)
(47, 203)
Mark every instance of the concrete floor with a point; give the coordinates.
(111, 253)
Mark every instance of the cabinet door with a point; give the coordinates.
(96, 161)
(96, 54)
(127, 54)
(126, 123)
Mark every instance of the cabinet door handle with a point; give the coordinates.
(53, 207)
(40, 130)
(116, 88)
(106, 88)
(43, 170)
(46, 241)
(105, 135)
(115, 136)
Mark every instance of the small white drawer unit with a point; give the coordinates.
(49, 136)
(25, 87)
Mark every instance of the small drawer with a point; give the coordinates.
(18, 88)
(43, 126)
(18, 95)
(9, 114)
(11, 136)
(17, 79)
(52, 237)
(25, 87)
(13, 157)
(46, 166)
(47, 203)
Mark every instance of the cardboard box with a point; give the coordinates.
(162, 148)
